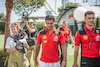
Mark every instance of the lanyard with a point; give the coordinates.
(90, 39)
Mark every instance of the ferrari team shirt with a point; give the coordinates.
(50, 44)
(84, 36)
(65, 32)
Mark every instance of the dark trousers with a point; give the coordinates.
(90, 62)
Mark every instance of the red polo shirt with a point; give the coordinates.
(50, 45)
(65, 32)
(82, 37)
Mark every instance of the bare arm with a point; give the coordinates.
(36, 53)
(10, 50)
(71, 39)
(28, 27)
(75, 56)
(64, 53)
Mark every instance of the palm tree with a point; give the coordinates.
(9, 6)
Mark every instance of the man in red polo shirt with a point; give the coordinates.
(66, 32)
(89, 36)
(50, 37)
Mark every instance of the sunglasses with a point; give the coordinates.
(30, 22)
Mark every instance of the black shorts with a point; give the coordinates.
(90, 62)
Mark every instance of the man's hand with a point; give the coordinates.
(25, 21)
(36, 63)
(75, 65)
(22, 25)
(73, 45)
(19, 47)
(63, 64)
(27, 46)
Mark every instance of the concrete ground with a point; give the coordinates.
(2, 35)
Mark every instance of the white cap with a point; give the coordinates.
(30, 20)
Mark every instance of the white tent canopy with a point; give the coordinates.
(80, 11)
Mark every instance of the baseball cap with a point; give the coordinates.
(30, 21)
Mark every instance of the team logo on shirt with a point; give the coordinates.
(97, 38)
(56, 32)
(55, 38)
(85, 37)
(97, 31)
(66, 29)
(62, 31)
(44, 37)
(45, 41)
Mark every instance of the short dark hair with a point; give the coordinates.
(49, 17)
(88, 13)
(64, 21)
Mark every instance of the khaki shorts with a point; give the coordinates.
(16, 58)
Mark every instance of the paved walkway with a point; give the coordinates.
(2, 35)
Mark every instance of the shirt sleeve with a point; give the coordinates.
(36, 29)
(38, 38)
(62, 40)
(26, 31)
(69, 32)
(77, 38)
(7, 43)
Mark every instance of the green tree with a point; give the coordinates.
(2, 17)
(83, 23)
(40, 26)
(97, 22)
(67, 5)
(25, 7)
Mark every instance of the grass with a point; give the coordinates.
(70, 54)
(1, 42)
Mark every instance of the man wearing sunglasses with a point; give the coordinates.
(31, 31)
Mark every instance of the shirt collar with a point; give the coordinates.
(63, 28)
(88, 29)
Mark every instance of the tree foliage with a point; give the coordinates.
(26, 7)
(2, 17)
(97, 22)
(67, 5)
(40, 26)
(2, 27)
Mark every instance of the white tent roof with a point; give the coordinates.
(95, 9)
(80, 11)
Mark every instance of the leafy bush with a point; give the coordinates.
(2, 27)
(3, 54)
(56, 25)
(40, 26)
(4, 57)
